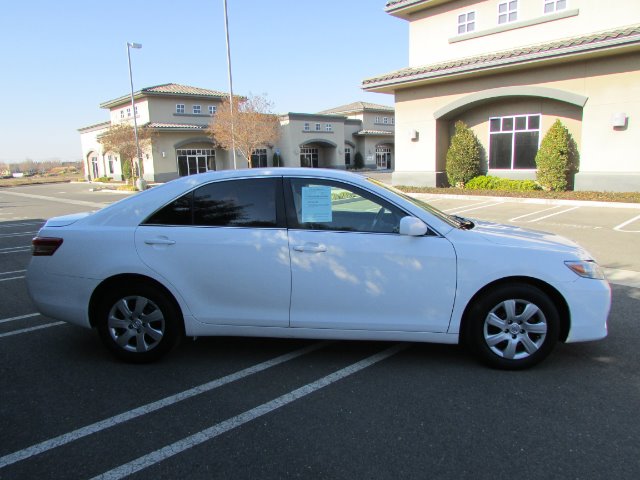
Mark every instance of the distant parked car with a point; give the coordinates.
(309, 253)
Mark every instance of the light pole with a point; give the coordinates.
(131, 45)
(226, 29)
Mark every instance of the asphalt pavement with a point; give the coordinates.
(272, 409)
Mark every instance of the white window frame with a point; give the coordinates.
(511, 10)
(122, 114)
(128, 112)
(318, 127)
(554, 6)
(385, 120)
(347, 155)
(513, 131)
(377, 120)
(466, 24)
(328, 127)
(212, 109)
(179, 107)
(307, 127)
(197, 109)
(393, 121)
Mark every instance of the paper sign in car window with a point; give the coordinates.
(316, 204)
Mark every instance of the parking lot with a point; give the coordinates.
(268, 408)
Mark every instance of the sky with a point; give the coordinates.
(59, 59)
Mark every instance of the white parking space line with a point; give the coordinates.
(31, 329)
(552, 215)
(12, 272)
(534, 213)
(20, 317)
(15, 249)
(620, 227)
(22, 224)
(239, 420)
(477, 204)
(17, 234)
(11, 278)
(56, 199)
(152, 407)
(476, 208)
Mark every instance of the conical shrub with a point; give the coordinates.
(463, 156)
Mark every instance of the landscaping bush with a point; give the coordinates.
(463, 156)
(556, 159)
(496, 183)
(358, 161)
(102, 179)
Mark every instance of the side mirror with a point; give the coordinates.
(412, 226)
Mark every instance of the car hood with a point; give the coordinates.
(513, 236)
(65, 220)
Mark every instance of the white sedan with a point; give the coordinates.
(309, 253)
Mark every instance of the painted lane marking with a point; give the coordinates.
(620, 227)
(552, 215)
(23, 224)
(25, 330)
(534, 213)
(17, 234)
(478, 208)
(466, 206)
(152, 407)
(56, 199)
(239, 420)
(15, 249)
(13, 319)
(12, 272)
(11, 278)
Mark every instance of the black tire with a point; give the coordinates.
(513, 327)
(138, 323)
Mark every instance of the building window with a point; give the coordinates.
(136, 109)
(318, 127)
(121, 113)
(309, 157)
(197, 110)
(513, 142)
(392, 120)
(508, 11)
(328, 127)
(128, 112)
(377, 120)
(466, 22)
(385, 120)
(347, 156)
(306, 127)
(180, 108)
(259, 158)
(551, 6)
(110, 158)
(192, 161)
(212, 109)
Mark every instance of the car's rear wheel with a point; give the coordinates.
(513, 327)
(138, 323)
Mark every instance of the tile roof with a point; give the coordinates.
(166, 89)
(614, 38)
(358, 107)
(175, 126)
(373, 132)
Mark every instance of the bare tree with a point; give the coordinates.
(254, 125)
(120, 138)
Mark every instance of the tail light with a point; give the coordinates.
(45, 246)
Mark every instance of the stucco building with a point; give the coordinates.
(179, 115)
(509, 69)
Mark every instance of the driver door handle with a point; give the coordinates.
(311, 248)
(159, 241)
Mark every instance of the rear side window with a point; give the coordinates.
(231, 203)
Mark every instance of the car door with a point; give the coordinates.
(351, 269)
(224, 247)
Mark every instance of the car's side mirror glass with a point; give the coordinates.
(412, 226)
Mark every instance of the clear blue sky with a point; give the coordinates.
(61, 59)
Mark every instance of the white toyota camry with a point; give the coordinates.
(310, 253)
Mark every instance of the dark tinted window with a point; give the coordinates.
(177, 212)
(236, 203)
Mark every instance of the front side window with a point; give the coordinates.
(180, 108)
(466, 22)
(513, 142)
(508, 11)
(232, 203)
(551, 6)
(197, 110)
(330, 205)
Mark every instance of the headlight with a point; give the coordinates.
(586, 268)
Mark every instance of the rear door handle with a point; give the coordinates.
(159, 241)
(311, 248)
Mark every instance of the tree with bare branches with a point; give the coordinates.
(254, 125)
(120, 138)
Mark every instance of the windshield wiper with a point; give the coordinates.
(464, 223)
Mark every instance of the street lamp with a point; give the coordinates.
(233, 135)
(131, 45)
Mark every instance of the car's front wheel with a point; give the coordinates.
(138, 323)
(513, 327)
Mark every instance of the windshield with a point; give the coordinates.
(452, 220)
